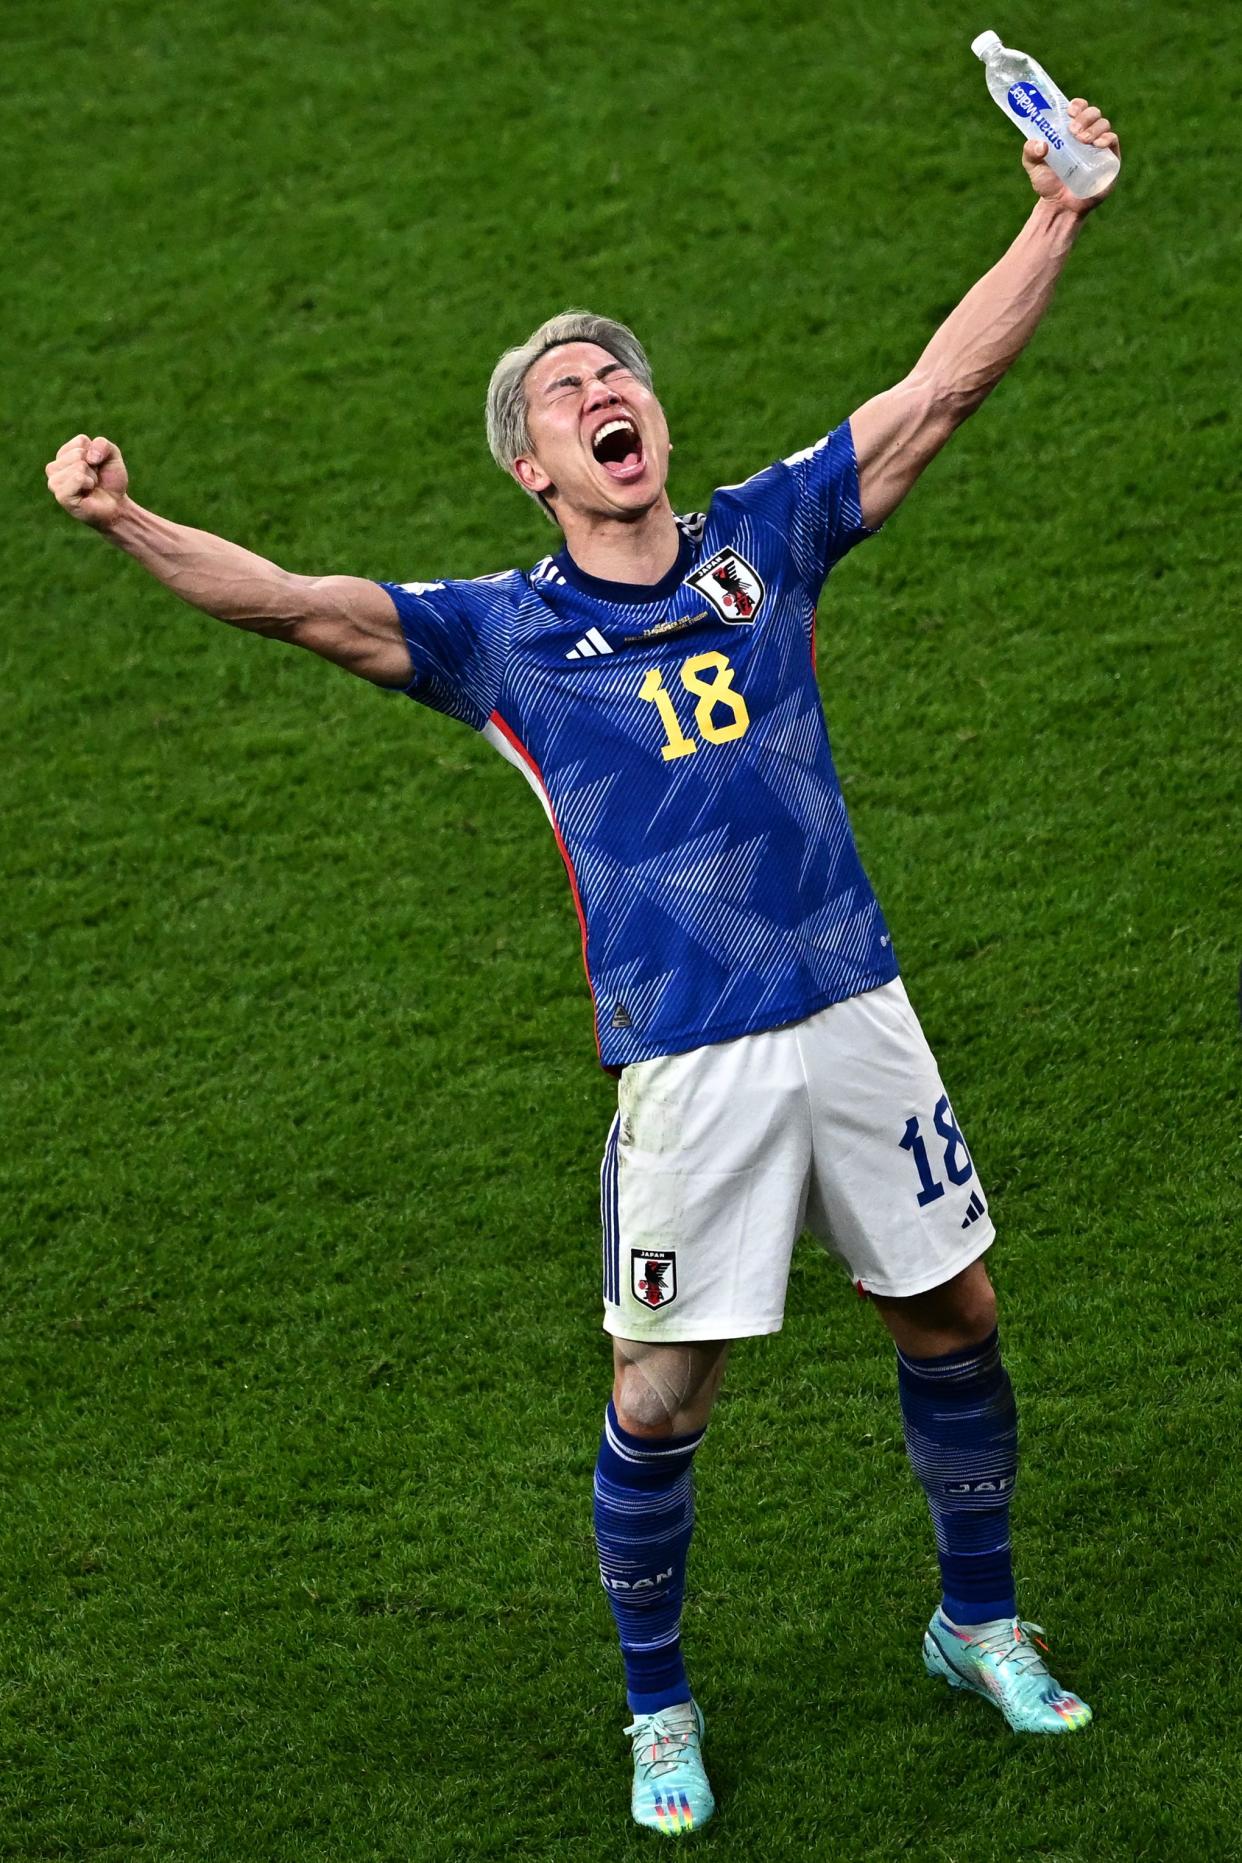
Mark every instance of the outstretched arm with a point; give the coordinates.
(345, 619)
(898, 433)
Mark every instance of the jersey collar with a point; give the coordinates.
(626, 594)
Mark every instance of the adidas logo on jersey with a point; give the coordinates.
(621, 1017)
(974, 1209)
(591, 645)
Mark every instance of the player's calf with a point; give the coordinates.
(961, 1428)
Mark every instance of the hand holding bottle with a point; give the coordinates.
(1072, 154)
(1088, 126)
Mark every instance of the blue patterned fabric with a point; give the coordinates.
(961, 1426)
(644, 1517)
(675, 736)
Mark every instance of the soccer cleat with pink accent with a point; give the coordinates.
(670, 1792)
(1001, 1662)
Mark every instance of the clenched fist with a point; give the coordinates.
(89, 479)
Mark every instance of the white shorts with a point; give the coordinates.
(718, 1159)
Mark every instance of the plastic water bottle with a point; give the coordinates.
(1029, 98)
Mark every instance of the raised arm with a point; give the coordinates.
(896, 434)
(345, 619)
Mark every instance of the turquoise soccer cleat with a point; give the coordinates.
(1001, 1662)
(671, 1793)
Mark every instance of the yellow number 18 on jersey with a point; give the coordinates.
(712, 693)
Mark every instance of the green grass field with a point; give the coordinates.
(301, 1367)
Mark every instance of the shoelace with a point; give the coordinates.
(1015, 1643)
(663, 1749)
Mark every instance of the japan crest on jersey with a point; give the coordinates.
(733, 588)
(653, 1275)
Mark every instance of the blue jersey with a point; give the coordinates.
(675, 736)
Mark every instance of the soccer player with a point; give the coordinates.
(654, 682)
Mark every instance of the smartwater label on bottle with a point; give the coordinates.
(1032, 108)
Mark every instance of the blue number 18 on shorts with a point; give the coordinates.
(719, 1158)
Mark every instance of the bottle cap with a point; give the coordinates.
(985, 43)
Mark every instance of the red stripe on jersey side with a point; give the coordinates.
(814, 619)
(511, 736)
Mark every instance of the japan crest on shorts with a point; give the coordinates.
(653, 1276)
(733, 588)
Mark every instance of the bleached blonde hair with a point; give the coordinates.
(508, 429)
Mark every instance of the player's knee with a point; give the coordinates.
(965, 1306)
(668, 1390)
(949, 1318)
(976, 1305)
(643, 1407)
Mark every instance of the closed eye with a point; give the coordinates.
(575, 381)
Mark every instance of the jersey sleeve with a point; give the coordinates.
(457, 634)
(826, 520)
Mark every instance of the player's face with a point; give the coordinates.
(599, 440)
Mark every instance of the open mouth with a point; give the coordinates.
(618, 448)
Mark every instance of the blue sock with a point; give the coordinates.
(962, 1438)
(644, 1516)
